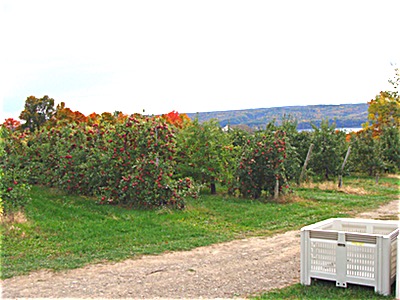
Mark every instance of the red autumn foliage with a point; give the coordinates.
(176, 119)
(11, 124)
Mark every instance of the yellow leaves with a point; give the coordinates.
(383, 111)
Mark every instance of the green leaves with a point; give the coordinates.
(377, 145)
(14, 187)
(37, 112)
(204, 153)
(367, 153)
(329, 149)
(129, 163)
(261, 164)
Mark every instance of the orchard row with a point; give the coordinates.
(151, 161)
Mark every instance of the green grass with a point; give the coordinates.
(64, 232)
(324, 290)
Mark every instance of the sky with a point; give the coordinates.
(193, 56)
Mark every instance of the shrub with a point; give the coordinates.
(13, 184)
(129, 162)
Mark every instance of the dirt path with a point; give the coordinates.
(227, 270)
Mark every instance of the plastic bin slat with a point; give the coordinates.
(324, 235)
(353, 237)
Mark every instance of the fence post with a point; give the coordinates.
(276, 190)
(341, 170)
(306, 163)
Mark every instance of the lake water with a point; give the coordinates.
(347, 130)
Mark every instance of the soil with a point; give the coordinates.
(229, 270)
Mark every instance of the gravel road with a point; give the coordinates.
(229, 270)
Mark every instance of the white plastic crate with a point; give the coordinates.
(355, 251)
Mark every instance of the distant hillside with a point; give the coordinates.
(345, 115)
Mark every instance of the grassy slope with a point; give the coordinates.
(63, 231)
(324, 290)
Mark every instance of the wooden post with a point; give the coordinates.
(342, 168)
(306, 163)
(276, 191)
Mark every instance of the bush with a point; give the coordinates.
(13, 184)
(129, 163)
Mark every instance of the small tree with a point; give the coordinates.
(297, 144)
(261, 165)
(203, 153)
(367, 153)
(329, 149)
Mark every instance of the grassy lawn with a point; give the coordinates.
(60, 231)
(324, 290)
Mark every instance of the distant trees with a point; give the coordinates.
(384, 111)
(65, 115)
(347, 116)
(176, 119)
(37, 111)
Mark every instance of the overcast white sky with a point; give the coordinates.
(193, 56)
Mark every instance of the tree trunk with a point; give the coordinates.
(257, 194)
(377, 178)
(213, 188)
(340, 183)
(306, 163)
(370, 172)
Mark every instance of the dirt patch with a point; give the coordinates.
(13, 218)
(331, 186)
(391, 211)
(227, 270)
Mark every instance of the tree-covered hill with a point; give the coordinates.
(345, 115)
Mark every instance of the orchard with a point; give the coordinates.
(148, 162)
